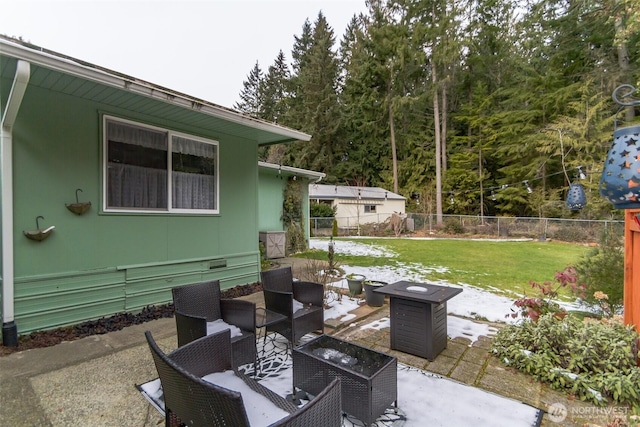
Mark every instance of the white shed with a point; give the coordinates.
(358, 205)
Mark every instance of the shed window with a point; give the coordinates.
(156, 170)
(370, 208)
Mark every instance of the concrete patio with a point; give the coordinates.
(90, 382)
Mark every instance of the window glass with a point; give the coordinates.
(137, 167)
(193, 174)
(139, 170)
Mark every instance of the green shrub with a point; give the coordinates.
(573, 233)
(292, 203)
(322, 213)
(602, 269)
(453, 226)
(295, 239)
(265, 264)
(321, 210)
(595, 361)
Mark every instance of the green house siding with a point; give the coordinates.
(101, 263)
(80, 272)
(270, 200)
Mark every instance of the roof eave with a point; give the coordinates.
(294, 171)
(111, 78)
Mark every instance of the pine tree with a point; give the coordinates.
(250, 96)
(315, 104)
(506, 76)
(274, 91)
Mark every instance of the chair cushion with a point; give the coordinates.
(220, 325)
(260, 410)
(306, 311)
(297, 305)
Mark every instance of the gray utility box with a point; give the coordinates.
(274, 243)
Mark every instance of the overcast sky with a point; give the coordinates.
(202, 48)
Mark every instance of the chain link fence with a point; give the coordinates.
(568, 230)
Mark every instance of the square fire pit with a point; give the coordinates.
(368, 377)
(418, 317)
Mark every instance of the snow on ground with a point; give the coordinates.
(423, 397)
(352, 248)
(456, 326)
(473, 302)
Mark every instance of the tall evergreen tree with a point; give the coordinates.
(250, 97)
(359, 159)
(274, 91)
(435, 24)
(507, 78)
(316, 99)
(275, 95)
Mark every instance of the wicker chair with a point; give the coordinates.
(199, 303)
(280, 291)
(189, 400)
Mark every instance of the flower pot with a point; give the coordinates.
(374, 299)
(355, 283)
(620, 180)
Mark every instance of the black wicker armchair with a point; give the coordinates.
(190, 400)
(302, 303)
(198, 304)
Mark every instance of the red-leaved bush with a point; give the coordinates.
(543, 303)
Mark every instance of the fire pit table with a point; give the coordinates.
(368, 377)
(418, 317)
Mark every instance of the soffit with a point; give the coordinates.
(147, 99)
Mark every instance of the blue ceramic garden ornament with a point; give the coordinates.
(620, 180)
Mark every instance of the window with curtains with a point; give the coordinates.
(157, 170)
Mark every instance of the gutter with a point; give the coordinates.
(313, 175)
(20, 82)
(77, 68)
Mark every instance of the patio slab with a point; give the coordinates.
(51, 386)
(467, 373)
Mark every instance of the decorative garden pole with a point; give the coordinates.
(631, 277)
(620, 184)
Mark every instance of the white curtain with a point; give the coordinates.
(136, 187)
(195, 148)
(128, 134)
(193, 191)
(139, 187)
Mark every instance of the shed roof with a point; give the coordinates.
(60, 73)
(330, 192)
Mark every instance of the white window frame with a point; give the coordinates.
(170, 134)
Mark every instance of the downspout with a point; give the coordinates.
(20, 81)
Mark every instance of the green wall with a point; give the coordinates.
(270, 198)
(102, 263)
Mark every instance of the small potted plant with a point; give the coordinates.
(374, 299)
(355, 283)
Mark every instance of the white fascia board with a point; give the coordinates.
(294, 171)
(68, 66)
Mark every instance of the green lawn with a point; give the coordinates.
(508, 266)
